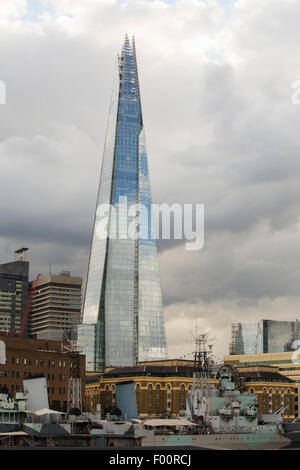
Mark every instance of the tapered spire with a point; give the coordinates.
(123, 294)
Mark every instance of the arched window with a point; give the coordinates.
(251, 390)
(137, 387)
(265, 391)
(157, 387)
(107, 388)
(168, 387)
(150, 387)
(288, 391)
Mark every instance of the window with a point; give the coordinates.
(150, 387)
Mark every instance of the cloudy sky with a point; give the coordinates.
(216, 82)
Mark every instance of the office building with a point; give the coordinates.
(288, 364)
(264, 336)
(27, 357)
(161, 388)
(14, 288)
(56, 306)
(123, 313)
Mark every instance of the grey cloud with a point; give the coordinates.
(220, 128)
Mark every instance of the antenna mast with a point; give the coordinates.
(203, 361)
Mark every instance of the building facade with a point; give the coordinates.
(26, 357)
(161, 388)
(288, 364)
(273, 390)
(56, 306)
(264, 336)
(14, 286)
(123, 311)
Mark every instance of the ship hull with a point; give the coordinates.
(248, 441)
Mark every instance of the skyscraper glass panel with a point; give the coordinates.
(123, 293)
(264, 336)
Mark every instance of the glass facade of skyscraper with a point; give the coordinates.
(123, 293)
(264, 336)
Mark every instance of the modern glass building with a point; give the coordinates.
(123, 314)
(264, 336)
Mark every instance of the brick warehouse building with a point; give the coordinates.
(27, 357)
(161, 388)
(273, 389)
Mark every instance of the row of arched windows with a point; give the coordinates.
(151, 387)
(270, 391)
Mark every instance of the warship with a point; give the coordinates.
(222, 416)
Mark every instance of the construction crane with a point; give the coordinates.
(28, 306)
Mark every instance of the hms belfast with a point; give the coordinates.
(222, 416)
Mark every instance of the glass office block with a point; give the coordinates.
(264, 336)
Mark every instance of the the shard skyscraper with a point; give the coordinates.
(123, 316)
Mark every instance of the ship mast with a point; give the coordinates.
(203, 360)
